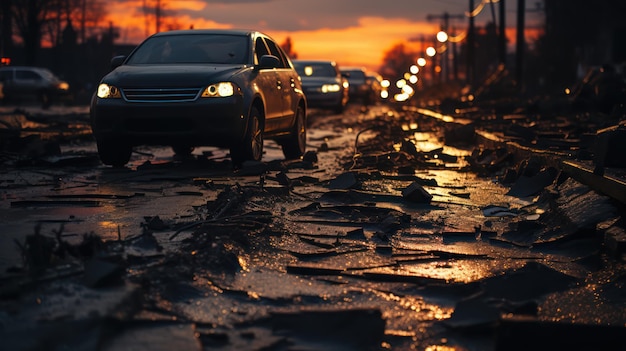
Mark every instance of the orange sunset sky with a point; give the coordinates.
(351, 32)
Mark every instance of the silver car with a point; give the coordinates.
(25, 83)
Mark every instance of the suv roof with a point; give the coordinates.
(315, 61)
(354, 69)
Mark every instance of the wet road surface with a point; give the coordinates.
(391, 233)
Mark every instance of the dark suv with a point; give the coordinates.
(24, 83)
(188, 88)
(360, 89)
(323, 84)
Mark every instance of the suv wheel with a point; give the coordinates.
(44, 98)
(251, 147)
(182, 150)
(113, 153)
(295, 146)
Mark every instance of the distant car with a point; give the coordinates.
(375, 81)
(323, 83)
(25, 83)
(188, 88)
(360, 89)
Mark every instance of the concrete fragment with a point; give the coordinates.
(310, 156)
(356, 234)
(609, 148)
(526, 333)
(615, 241)
(456, 134)
(584, 208)
(532, 185)
(99, 273)
(450, 236)
(252, 168)
(341, 329)
(155, 223)
(473, 314)
(155, 337)
(416, 193)
(283, 179)
(344, 181)
(532, 281)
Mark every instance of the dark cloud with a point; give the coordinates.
(294, 15)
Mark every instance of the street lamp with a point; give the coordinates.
(421, 62)
(442, 36)
(431, 52)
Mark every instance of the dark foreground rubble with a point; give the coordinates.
(404, 228)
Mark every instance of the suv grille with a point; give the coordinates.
(161, 94)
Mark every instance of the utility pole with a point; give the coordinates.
(471, 69)
(83, 19)
(519, 51)
(6, 30)
(502, 38)
(158, 15)
(446, 25)
(455, 61)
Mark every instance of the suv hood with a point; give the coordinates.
(170, 75)
(318, 81)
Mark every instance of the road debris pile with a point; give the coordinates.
(388, 236)
(34, 137)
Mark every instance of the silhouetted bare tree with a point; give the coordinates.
(397, 61)
(6, 42)
(287, 45)
(38, 22)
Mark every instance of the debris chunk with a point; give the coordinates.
(416, 193)
(344, 181)
(99, 273)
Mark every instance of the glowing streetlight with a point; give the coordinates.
(442, 36)
(414, 69)
(421, 62)
(431, 51)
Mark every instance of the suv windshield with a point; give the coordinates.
(195, 48)
(315, 69)
(356, 77)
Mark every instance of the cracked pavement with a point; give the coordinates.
(398, 230)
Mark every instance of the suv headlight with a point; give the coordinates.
(106, 91)
(222, 89)
(330, 88)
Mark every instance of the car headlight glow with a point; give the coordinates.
(330, 88)
(106, 91)
(223, 89)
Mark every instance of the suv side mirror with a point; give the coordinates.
(269, 61)
(117, 61)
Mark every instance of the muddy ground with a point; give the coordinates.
(401, 229)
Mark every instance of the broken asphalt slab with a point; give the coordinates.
(258, 260)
